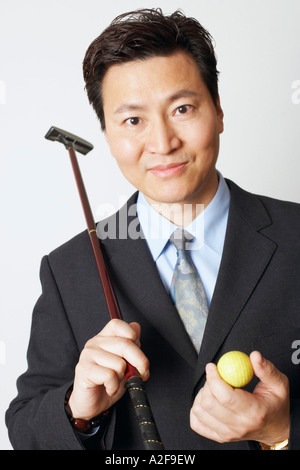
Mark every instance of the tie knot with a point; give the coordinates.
(179, 238)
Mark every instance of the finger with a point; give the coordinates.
(122, 339)
(205, 426)
(120, 328)
(136, 326)
(105, 359)
(104, 376)
(270, 377)
(217, 386)
(126, 349)
(219, 410)
(219, 399)
(231, 400)
(90, 374)
(211, 419)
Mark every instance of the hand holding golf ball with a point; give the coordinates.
(235, 368)
(222, 411)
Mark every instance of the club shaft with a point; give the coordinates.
(109, 296)
(134, 384)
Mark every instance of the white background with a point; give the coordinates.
(42, 45)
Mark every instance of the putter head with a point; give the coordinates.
(69, 140)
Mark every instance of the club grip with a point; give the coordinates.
(143, 412)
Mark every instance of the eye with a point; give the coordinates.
(133, 121)
(183, 109)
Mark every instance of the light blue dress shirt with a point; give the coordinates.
(206, 248)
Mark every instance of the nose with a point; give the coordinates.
(162, 138)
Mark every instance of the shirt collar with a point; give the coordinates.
(208, 228)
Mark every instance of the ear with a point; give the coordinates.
(220, 115)
(106, 137)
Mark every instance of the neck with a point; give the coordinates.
(180, 214)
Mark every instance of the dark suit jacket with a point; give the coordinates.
(255, 305)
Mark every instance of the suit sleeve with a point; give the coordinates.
(36, 418)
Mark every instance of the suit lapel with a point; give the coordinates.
(136, 276)
(246, 255)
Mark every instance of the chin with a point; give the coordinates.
(169, 198)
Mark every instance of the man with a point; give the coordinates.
(152, 80)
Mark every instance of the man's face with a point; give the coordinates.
(163, 128)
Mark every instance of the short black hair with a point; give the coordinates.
(142, 34)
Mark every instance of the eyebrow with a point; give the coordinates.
(123, 108)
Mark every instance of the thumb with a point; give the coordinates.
(137, 328)
(270, 377)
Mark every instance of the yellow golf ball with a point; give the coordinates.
(235, 368)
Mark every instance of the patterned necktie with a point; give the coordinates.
(187, 290)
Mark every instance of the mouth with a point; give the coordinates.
(164, 171)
